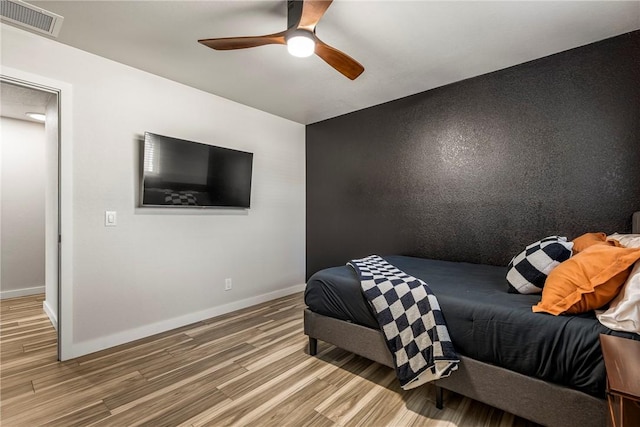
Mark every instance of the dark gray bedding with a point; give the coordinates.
(485, 322)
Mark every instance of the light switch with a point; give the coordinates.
(110, 219)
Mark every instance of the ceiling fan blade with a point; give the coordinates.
(228, 43)
(342, 62)
(312, 11)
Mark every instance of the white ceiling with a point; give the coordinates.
(16, 101)
(406, 47)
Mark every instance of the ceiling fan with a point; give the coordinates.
(300, 37)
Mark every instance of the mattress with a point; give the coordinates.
(485, 322)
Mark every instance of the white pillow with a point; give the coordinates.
(624, 311)
(626, 240)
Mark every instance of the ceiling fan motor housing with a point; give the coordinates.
(294, 13)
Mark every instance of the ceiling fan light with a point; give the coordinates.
(301, 46)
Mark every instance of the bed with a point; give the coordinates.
(547, 369)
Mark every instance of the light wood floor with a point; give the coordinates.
(249, 367)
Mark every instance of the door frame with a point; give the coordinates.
(65, 198)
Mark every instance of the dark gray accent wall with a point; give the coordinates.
(475, 170)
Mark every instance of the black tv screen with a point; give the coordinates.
(179, 173)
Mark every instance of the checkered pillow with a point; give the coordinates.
(187, 199)
(529, 269)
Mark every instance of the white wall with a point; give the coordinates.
(22, 202)
(161, 268)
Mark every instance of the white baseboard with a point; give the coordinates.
(51, 314)
(21, 292)
(87, 347)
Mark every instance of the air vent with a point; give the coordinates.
(30, 17)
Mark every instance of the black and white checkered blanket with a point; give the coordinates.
(181, 198)
(410, 318)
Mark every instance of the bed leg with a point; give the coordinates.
(438, 397)
(313, 346)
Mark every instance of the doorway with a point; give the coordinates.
(30, 218)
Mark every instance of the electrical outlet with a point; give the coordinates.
(110, 219)
(227, 284)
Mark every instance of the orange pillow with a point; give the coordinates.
(588, 239)
(587, 281)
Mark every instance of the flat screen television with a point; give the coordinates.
(179, 173)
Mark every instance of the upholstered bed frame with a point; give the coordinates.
(536, 400)
(527, 397)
